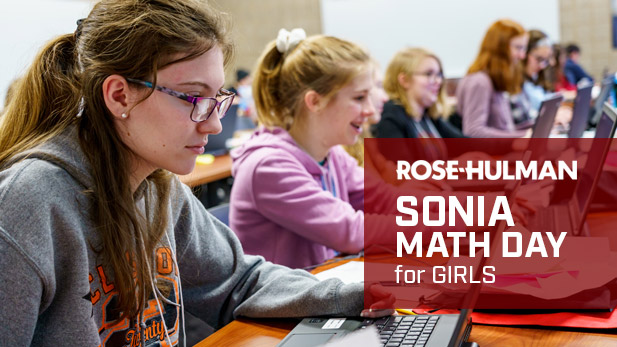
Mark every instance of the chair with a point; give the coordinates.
(221, 212)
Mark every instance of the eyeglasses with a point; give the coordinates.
(542, 61)
(202, 106)
(430, 75)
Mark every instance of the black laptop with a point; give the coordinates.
(217, 144)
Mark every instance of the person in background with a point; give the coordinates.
(537, 84)
(483, 94)
(378, 97)
(572, 69)
(556, 71)
(418, 104)
(101, 244)
(242, 88)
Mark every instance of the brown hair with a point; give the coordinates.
(494, 56)
(132, 38)
(406, 61)
(320, 63)
(537, 39)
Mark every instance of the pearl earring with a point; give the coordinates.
(124, 115)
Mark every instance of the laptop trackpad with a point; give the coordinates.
(307, 340)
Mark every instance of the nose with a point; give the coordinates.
(212, 125)
(368, 109)
(384, 96)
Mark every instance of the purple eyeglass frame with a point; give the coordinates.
(213, 103)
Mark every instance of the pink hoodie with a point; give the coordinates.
(291, 210)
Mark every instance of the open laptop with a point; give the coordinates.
(217, 144)
(605, 91)
(541, 129)
(429, 330)
(569, 216)
(580, 113)
(546, 116)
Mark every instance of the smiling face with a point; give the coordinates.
(159, 130)
(341, 120)
(378, 96)
(425, 85)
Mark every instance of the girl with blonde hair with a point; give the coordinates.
(297, 196)
(418, 105)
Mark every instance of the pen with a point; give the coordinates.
(404, 311)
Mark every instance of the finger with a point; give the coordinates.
(376, 313)
(528, 206)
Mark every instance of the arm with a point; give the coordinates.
(353, 176)
(20, 294)
(220, 283)
(308, 210)
(475, 97)
(447, 130)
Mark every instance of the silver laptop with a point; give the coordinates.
(546, 116)
(570, 215)
(605, 91)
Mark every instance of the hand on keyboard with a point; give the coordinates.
(382, 302)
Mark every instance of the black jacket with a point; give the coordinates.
(396, 123)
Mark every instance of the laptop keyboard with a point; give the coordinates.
(413, 330)
(553, 219)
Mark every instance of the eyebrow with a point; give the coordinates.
(201, 84)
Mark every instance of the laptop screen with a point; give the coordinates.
(596, 156)
(607, 85)
(580, 114)
(217, 144)
(546, 117)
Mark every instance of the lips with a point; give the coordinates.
(357, 127)
(198, 149)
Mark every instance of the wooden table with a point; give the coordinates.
(206, 173)
(269, 332)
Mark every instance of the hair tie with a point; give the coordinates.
(544, 42)
(287, 41)
(78, 29)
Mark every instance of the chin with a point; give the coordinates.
(184, 169)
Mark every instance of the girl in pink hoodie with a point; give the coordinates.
(297, 197)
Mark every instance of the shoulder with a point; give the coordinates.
(391, 110)
(478, 79)
(41, 204)
(394, 118)
(36, 181)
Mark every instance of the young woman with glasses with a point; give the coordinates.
(537, 83)
(417, 107)
(101, 244)
(483, 95)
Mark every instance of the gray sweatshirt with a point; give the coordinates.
(56, 291)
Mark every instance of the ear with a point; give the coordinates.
(404, 80)
(313, 101)
(116, 94)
